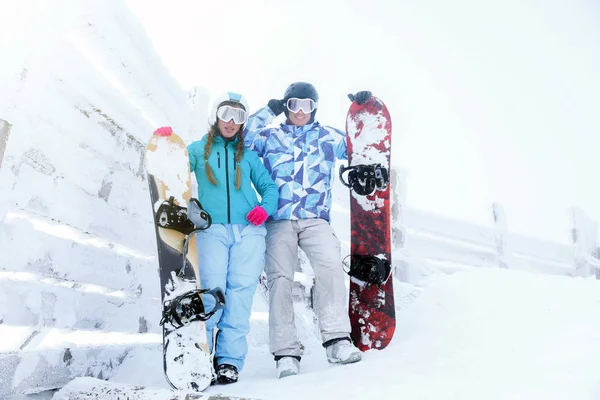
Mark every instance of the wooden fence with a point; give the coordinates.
(423, 241)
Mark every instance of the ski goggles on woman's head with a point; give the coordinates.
(306, 105)
(227, 113)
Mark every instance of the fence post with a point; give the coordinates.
(500, 229)
(4, 132)
(583, 234)
(597, 256)
(400, 266)
(5, 183)
(398, 183)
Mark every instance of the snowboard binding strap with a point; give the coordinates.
(365, 179)
(185, 220)
(189, 307)
(370, 269)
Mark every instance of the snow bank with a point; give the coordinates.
(95, 389)
(474, 334)
(81, 92)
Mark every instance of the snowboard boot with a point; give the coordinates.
(342, 351)
(226, 374)
(287, 366)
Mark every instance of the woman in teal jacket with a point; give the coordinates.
(231, 252)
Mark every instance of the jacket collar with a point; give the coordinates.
(298, 130)
(221, 140)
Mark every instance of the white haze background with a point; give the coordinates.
(491, 101)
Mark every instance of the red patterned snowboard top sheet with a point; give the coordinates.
(371, 308)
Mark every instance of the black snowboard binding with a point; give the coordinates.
(189, 307)
(182, 219)
(370, 269)
(365, 179)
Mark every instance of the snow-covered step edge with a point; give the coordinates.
(61, 201)
(23, 373)
(94, 389)
(61, 251)
(37, 304)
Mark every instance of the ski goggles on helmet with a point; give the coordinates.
(227, 113)
(306, 105)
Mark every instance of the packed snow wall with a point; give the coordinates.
(81, 93)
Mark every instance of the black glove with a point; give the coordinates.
(277, 106)
(360, 97)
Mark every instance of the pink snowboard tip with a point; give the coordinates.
(164, 131)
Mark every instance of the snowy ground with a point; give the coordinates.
(475, 334)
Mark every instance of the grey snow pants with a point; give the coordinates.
(323, 249)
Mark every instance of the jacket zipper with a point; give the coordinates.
(227, 184)
(218, 159)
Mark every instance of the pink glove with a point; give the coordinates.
(257, 216)
(164, 131)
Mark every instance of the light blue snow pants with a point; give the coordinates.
(232, 258)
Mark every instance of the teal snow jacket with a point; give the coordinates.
(224, 203)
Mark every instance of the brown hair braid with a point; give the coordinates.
(239, 153)
(207, 149)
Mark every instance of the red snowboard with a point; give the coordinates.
(371, 308)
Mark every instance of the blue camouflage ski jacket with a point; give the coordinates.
(223, 201)
(301, 161)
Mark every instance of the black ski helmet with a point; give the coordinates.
(301, 90)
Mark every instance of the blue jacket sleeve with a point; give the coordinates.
(264, 186)
(192, 156)
(339, 142)
(253, 139)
